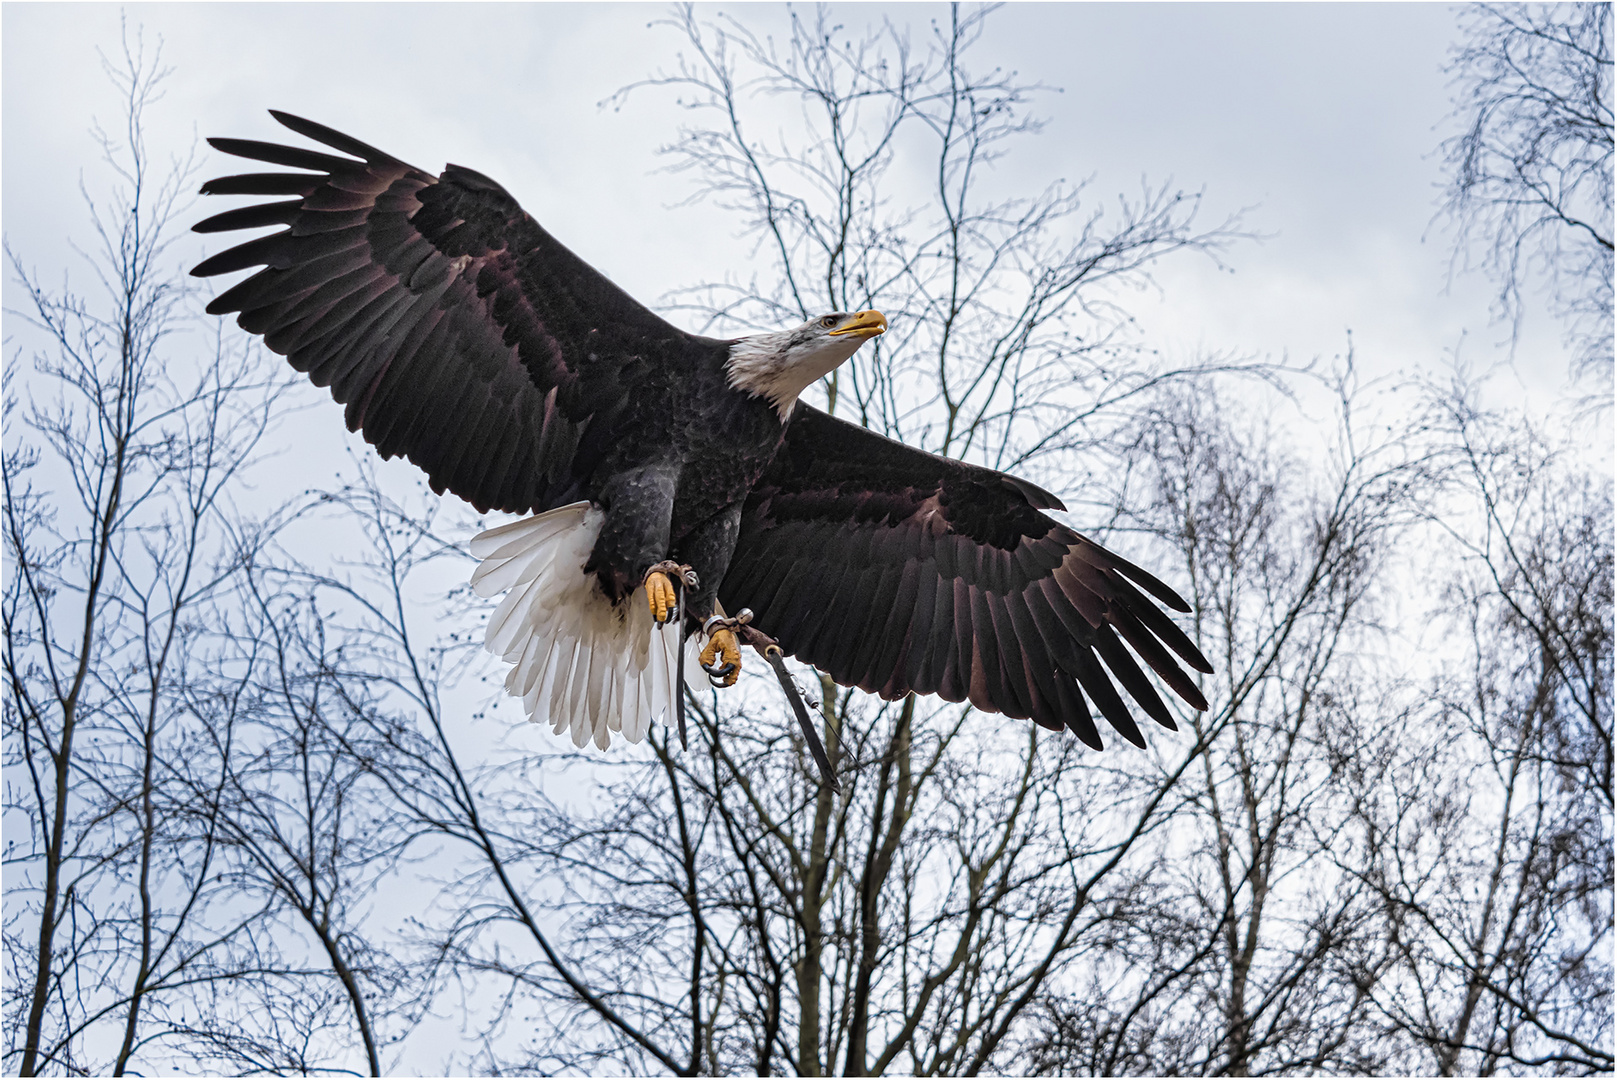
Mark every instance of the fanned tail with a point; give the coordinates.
(580, 664)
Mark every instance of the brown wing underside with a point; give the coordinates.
(453, 328)
(898, 571)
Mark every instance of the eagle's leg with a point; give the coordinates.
(709, 547)
(661, 594)
(721, 658)
(632, 548)
(663, 588)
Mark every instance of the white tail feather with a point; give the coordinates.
(579, 664)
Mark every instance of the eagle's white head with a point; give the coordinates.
(781, 365)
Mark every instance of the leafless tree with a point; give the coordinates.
(131, 938)
(1492, 835)
(1246, 953)
(1531, 176)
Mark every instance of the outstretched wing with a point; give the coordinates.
(895, 570)
(456, 330)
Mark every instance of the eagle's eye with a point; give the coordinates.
(829, 321)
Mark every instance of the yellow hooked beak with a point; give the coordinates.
(864, 324)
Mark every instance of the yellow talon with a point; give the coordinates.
(660, 596)
(722, 652)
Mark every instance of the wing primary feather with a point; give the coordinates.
(328, 198)
(291, 156)
(334, 139)
(1098, 685)
(253, 253)
(305, 311)
(1002, 682)
(260, 296)
(246, 296)
(1162, 626)
(251, 217)
(1104, 559)
(1076, 579)
(339, 308)
(282, 250)
(335, 273)
(1061, 631)
(1133, 679)
(263, 184)
(1076, 714)
(1015, 653)
(256, 319)
(313, 222)
(1040, 669)
(383, 184)
(1153, 585)
(1152, 652)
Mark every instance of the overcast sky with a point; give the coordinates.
(1323, 117)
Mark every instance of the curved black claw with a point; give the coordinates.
(719, 674)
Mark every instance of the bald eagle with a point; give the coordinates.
(459, 333)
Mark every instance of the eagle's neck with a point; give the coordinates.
(780, 366)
